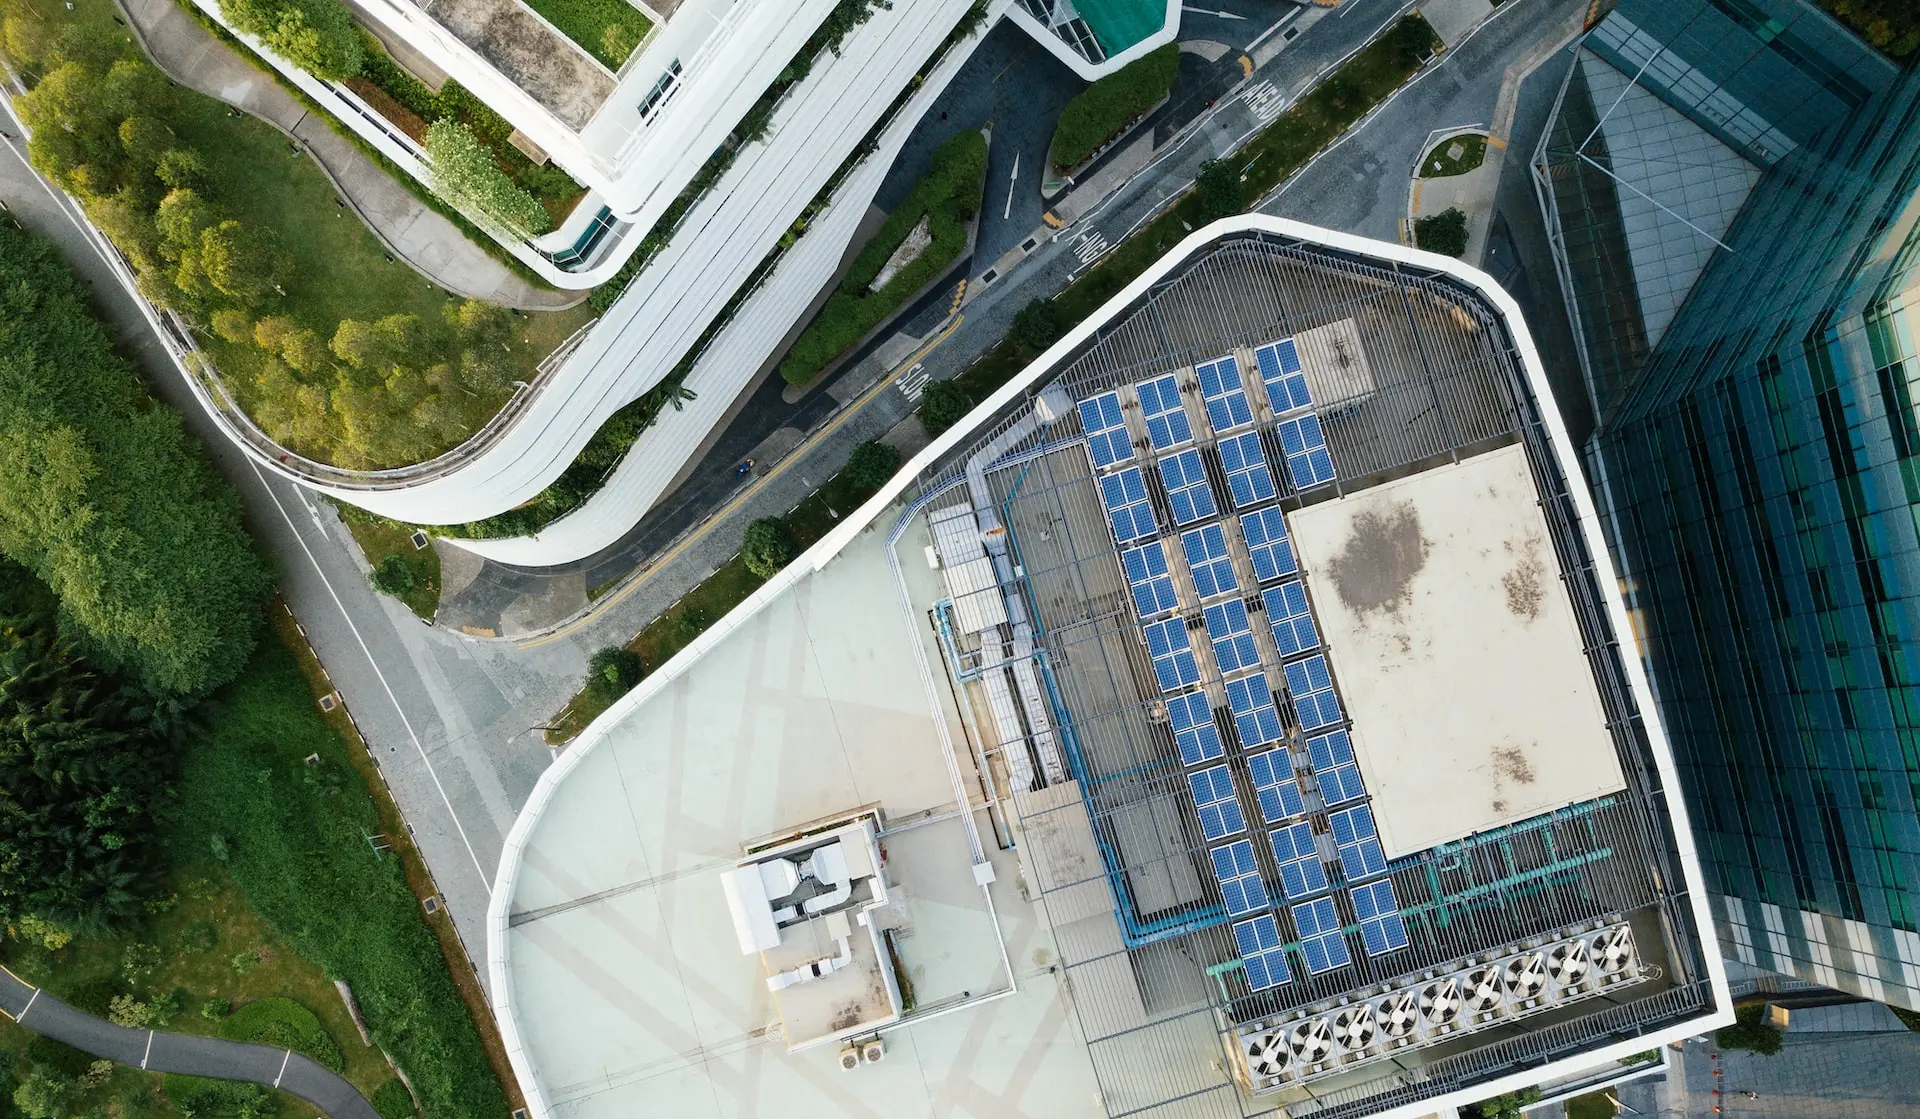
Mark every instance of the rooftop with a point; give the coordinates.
(1236, 712)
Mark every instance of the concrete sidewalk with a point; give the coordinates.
(434, 246)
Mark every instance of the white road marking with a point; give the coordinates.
(1266, 101)
(913, 382)
(149, 1052)
(1274, 29)
(29, 1006)
(284, 1061)
(1011, 179)
(1090, 245)
(1211, 12)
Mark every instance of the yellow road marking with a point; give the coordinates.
(1497, 143)
(1416, 194)
(779, 468)
(1053, 220)
(1246, 66)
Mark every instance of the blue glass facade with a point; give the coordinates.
(1762, 482)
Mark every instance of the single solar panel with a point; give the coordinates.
(1310, 685)
(1209, 561)
(1378, 911)
(1193, 731)
(1261, 953)
(1291, 618)
(1172, 654)
(1239, 874)
(1281, 372)
(1248, 479)
(1187, 489)
(1124, 493)
(1320, 939)
(1301, 874)
(1358, 843)
(1232, 636)
(1147, 574)
(1107, 439)
(1253, 712)
(1333, 766)
(1305, 445)
(1274, 785)
(1214, 798)
(1165, 417)
(1267, 543)
(1220, 387)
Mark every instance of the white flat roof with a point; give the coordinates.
(1455, 648)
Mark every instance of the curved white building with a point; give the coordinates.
(1230, 716)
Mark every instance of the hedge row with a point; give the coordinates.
(1102, 109)
(947, 198)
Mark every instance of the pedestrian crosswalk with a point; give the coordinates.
(1266, 100)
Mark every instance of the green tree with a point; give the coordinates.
(871, 465)
(943, 404)
(768, 546)
(1220, 190)
(107, 500)
(468, 174)
(1509, 1106)
(1037, 325)
(1444, 233)
(241, 262)
(316, 35)
(394, 576)
(612, 672)
(80, 767)
(44, 1095)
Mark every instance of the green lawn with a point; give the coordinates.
(379, 538)
(1593, 1105)
(608, 29)
(1441, 162)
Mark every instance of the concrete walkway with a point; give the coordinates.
(434, 246)
(181, 1053)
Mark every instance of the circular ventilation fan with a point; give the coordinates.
(1354, 1027)
(1267, 1054)
(1612, 949)
(1439, 1002)
(1397, 1014)
(1311, 1041)
(1482, 989)
(1527, 975)
(1569, 962)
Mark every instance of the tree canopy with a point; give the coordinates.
(316, 35)
(468, 173)
(107, 500)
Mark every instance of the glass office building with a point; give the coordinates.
(1751, 356)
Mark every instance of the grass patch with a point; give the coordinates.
(1104, 109)
(1441, 162)
(607, 29)
(1593, 1105)
(379, 538)
(946, 200)
(284, 1024)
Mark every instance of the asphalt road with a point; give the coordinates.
(182, 1053)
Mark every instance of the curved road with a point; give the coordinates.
(182, 1053)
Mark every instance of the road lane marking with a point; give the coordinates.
(1011, 180)
(149, 1053)
(1090, 246)
(284, 1061)
(914, 383)
(1217, 14)
(29, 1006)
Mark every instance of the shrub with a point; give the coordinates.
(215, 1009)
(612, 672)
(284, 1024)
(1749, 1031)
(1219, 188)
(394, 576)
(1509, 1106)
(1037, 325)
(1444, 233)
(393, 1101)
(44, 1095)
(871, 464)
(468, 174)
(202, 1098)
(1100, 111)
(943, 404)
(768, 546)
(316, 35)
(48, 1055)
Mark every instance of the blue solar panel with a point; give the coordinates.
(1378, 911)
(1187, 489)
(1232, 635)
(1219, 808)
(1310, 685)
(1227, 406)
(1266, 533)
(1248, 479)
(1280, 371)
(1239, 875)
(1274, 786)
(1172, 654)
(1359, 846)
(1306, 449)
(1339, 777)
(1258, 942)
(1253, 711)
(1193, 729)
(1320, 939)
(1292, 620)
(1300, 871)
(1207, 558)
(1165, 418)
(1146, 568)
(1107, 439)
(1125, 495)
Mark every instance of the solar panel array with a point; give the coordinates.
(1272, 859)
